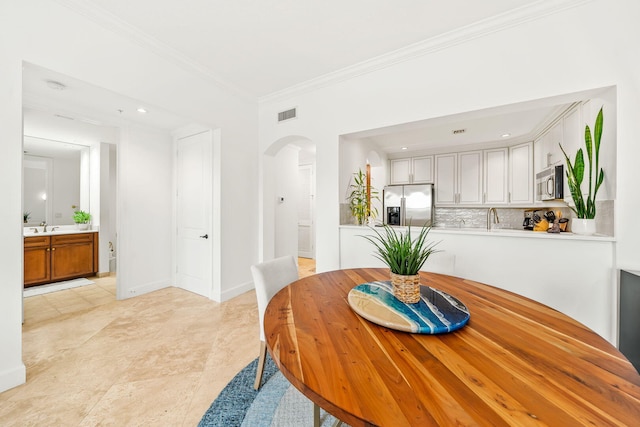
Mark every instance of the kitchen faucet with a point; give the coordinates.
(44, 224)
(495, 218)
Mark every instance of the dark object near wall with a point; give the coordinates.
(629, 341)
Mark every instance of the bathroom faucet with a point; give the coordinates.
(495, 218)
(44, 224)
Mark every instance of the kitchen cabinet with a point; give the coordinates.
(496, 166)
(446, 171)
(459, 178)
(498, 176)
(573, 139)
(521, 173)
(59, 257)
(470, 178)
(547, 147)
(413, 170)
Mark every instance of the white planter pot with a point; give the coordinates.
(583, 226)
(82, 226)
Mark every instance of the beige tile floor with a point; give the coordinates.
(157, 359)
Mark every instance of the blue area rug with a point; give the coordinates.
(276, 404)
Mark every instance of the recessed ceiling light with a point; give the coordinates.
(506, 135)
(403, 148)
(141, 110)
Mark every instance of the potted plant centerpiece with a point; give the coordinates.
(360, 198)
(404, 256)
(82, 218)
(585, 210)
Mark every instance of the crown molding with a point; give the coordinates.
(515, 17)
(531, 12)
(116, 25)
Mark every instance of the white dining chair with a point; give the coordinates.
(269, 277)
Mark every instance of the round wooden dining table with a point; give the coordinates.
(516, 361)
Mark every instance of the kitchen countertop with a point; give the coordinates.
(505, 232)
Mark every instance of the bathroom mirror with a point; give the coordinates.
(56, 181)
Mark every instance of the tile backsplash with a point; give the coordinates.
(513, 217)
(508, 217)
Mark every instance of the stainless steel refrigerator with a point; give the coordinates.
(408, 204)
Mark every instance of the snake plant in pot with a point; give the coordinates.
(585, 210)
(405, 257)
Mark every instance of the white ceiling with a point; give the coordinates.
(264, 46)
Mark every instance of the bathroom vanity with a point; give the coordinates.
(59, 255)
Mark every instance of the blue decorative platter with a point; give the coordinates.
(437, 312)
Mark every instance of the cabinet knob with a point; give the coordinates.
(53, 249)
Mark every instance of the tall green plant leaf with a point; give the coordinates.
(576, 171)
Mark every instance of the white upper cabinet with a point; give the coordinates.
(573, 137)
(400, 171)
(547, 147)
(521, 173)
(495, 176)
(470, 178)
(415, 170)
(423, 170)
(446, 185)
(498, 176)
(458, 178)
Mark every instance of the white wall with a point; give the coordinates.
(580, 48)
(145, 204)
(50, 35)
(496, 258)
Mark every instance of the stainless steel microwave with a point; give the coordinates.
(550, 183)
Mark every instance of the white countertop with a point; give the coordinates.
(63, 229)
(503, 232)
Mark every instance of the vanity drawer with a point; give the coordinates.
(36, 241)
(66, 239)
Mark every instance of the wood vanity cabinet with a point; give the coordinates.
(37, 260)
(59, 257)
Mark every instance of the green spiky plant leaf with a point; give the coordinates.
(575, 172)
(399, 251)
(358, 198)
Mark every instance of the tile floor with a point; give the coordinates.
(157, 359)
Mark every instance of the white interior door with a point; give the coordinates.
(305, 212)
(194, 209)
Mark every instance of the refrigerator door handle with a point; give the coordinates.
(403, 212)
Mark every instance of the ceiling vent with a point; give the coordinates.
(458, 131)
(287, 115)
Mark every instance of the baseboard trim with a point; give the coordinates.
(144, 289)
(13, 377)
(106, 274)
(238, 290)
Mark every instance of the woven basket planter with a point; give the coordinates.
(406, 288)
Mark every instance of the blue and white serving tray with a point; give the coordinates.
(437, 312)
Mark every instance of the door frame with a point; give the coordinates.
(312, 211)
(215, 293)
